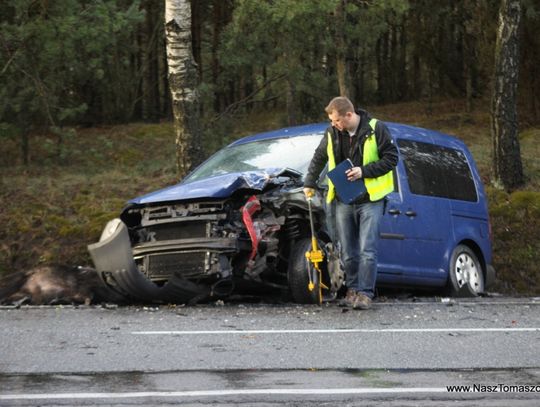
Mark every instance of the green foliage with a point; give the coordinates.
(64, 62)
(531, 9)
(515, 220)
(296, 43)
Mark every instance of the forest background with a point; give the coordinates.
(85, 108)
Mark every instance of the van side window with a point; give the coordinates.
(433, 170)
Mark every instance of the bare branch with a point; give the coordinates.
(249, 98)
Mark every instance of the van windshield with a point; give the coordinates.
(291, 152)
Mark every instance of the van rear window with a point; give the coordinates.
(437, 171)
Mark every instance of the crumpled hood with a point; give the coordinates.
(220, 186)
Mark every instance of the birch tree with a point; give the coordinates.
(182, 77)
(507, 166)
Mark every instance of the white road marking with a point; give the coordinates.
(212, 393)
(332, 331)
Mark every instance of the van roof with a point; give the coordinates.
(397, 130)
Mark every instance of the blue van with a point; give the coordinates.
(240, 222)
(436, 229)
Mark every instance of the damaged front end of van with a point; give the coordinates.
(213, 237)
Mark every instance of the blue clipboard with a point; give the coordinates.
(347, 191)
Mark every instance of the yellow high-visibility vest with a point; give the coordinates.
(378, 187)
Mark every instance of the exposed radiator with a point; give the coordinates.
(185, 264)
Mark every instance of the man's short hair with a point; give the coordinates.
(341, 105)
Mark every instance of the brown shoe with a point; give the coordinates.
(361, 301)
(349, 298)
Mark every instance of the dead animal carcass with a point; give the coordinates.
(55, 285)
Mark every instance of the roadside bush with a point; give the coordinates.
(515, 219)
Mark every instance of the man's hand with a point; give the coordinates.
(310, 192)
(354, 173)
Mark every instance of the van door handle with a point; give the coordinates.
(410, 213)
(394, 211)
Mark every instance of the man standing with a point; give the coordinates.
(354, 135)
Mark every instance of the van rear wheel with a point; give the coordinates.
(466, 277)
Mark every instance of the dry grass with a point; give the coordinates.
(54, 207)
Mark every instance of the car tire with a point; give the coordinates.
(466, 277)
(298, 276)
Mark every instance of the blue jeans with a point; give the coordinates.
(358, 233)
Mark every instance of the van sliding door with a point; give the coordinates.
(425, 219)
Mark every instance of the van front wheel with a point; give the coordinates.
(301, 272)
(466, 277)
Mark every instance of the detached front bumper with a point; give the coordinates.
(114, 261)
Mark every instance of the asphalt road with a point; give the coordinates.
(398, 353)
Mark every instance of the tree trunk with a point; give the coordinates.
(441, 43)
(530, 73)
(148, 56)
(383, 72)
(221, 16)
(393, 60)
(182, 83)
(219, 99)
(415, 26)
(163, 83)
(379, 70)
(469, 58)
(357, 75)
(402, 69)
(291, 102)
(341, 51)
(25, 146)
(507, 167)
(196, 35)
